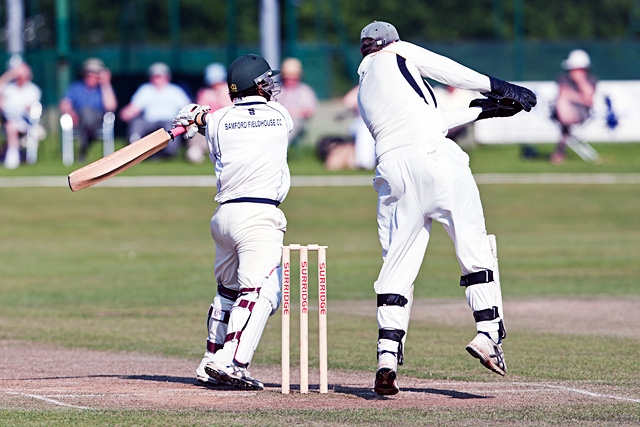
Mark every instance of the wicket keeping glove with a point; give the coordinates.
(521, 95)
(187, 116)
(496, 107)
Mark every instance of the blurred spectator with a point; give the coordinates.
(154, 105)
(358, 152)
(87, 101)
(17, 94)
(216, 92)
(336, 152)
(297, 97)
(576, 87)
(364, 144)
(216, 95)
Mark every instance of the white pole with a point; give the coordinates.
(33, 137)
(15, 22)
(107, 133)
(66, 123)
(270, 32)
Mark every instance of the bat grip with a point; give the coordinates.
(176, 131)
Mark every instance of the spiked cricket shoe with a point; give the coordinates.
(231, 374)
(202, 377)
(385, 383)
(489, 353)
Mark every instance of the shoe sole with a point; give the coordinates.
(224, 378)
(385, 384)
(485, 360)
(208, 381)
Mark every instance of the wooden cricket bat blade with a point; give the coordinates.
(122, 159)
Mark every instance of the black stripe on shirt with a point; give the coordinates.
(402, 64)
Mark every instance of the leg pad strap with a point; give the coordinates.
(213, 347)
(484, 276)
(227, 293)
(488, 315)
(393, 335)
(392, 299)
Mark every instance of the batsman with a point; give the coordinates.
(248, 144)
(422, 176)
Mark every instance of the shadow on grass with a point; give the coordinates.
(365, 393)
(368, 394)
(158, 378)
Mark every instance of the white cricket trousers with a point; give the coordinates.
(416, 185)
(248, 239)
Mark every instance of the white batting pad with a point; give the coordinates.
(270, 288)
(217, 328)
(253, 331)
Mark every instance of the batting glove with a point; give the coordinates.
(186, 117)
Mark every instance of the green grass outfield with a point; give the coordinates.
(130, 269)
(614, 158)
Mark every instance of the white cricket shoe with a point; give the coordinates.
(201, 375)
(385, 383)
(489, 353)
(239, 377)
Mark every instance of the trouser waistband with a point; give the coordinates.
(252, 200)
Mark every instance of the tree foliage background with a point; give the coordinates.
(96, 22)
(516, 39)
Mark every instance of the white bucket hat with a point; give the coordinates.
(577, 58)
(215, 73)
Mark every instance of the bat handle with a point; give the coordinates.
(177, 131)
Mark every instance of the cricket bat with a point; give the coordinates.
(122, 159)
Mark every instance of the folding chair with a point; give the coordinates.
(105, 133)
(582, 148)
(32, 137)
(35, 133)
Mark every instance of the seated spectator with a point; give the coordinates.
(297, 97)
(216, 92)
(451, 98)
(17, 94)
(576, 87)
(154, 105)
(364, 144)
(216, 95)
(357, 151)
(336, 152)
(87, 100)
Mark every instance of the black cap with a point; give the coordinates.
(244, 71)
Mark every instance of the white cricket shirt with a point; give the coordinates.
(398, 106)
(159, 103)
(18, 99)
(248, 144)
